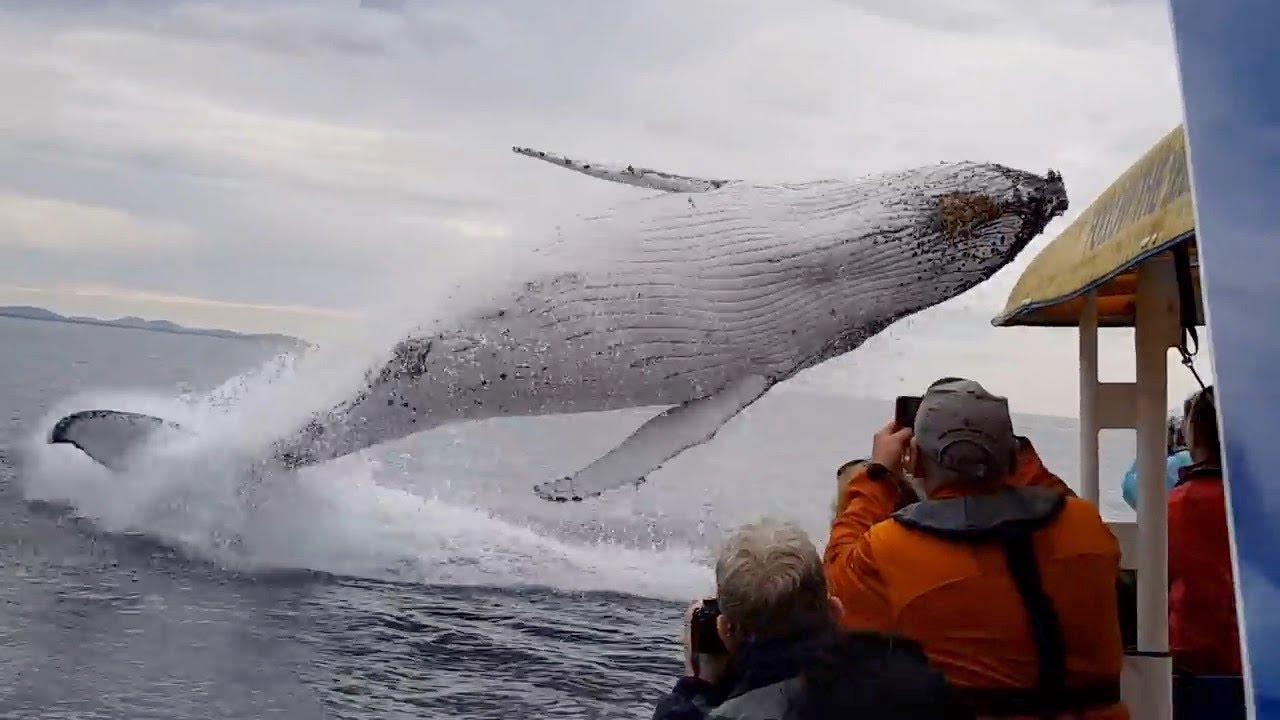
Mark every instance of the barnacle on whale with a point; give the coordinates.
(961, 212)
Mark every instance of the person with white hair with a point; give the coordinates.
(768, 646)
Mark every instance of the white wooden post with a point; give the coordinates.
(1155, 332)
(1089, 424)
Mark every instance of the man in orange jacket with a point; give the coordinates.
(1029, 472)
(1002, 575)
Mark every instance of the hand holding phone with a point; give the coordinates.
(905, 409)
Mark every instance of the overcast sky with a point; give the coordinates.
(289, 165)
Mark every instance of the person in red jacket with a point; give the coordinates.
(1203, 635)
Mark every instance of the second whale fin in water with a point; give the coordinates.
(108, 437)
(628, 175)
(657, 441)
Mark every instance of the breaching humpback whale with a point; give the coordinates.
(716, 291)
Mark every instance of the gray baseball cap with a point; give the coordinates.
(967, 430)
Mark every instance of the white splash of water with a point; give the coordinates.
(206, 495)
(454, 505)
(365, 515)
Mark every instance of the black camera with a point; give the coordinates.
(703, 636)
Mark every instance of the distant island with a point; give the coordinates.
(26, 312)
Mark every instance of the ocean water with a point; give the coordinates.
(421, 579)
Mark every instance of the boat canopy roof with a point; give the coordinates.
(1146, 211)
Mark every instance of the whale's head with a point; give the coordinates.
(920, 238)
(950, 227)
(987, 214)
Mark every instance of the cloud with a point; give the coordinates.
(70, 228)
(330, 153)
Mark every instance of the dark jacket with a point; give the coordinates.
(864, 675)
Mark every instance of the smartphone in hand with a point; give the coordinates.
(905, 409)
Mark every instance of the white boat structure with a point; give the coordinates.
(1129, 261)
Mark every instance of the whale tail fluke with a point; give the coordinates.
(109, 437)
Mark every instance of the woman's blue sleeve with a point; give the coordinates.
(1129, 486)
(1174, 463)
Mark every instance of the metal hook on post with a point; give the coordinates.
(1186, 309)
(1189, 362)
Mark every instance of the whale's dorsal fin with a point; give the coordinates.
(657, 441)
(630, 174)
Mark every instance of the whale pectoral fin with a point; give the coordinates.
(629, 175)
(110, 436)
(657, 441)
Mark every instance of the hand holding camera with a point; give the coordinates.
(706, 656)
